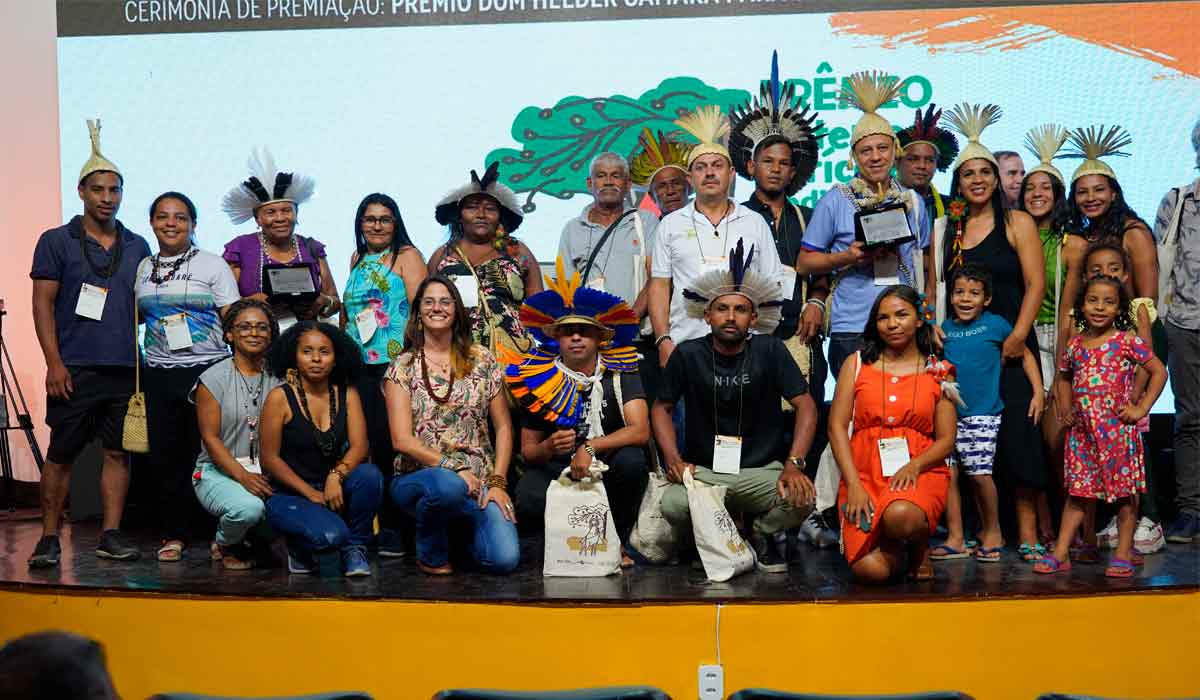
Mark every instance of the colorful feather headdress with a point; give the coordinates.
(96, 162)
(925, 130)
(764, 294)
(242, 201)
(1044, 142)
(970, 121)
(776, 114)
(867, 91)
(448, 208)
(1094, 143)
(710, 127)
(537, 379)
(653, 154)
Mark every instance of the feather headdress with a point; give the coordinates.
(776, 114)
(1044, 142)
(970, 121)
(447, 210)
(765, 294)
(242, 201)
(1094, 143)
(709, 127)
(653, 154)
(537, 379)
(96, 162)
(867, 91)
(925, 130)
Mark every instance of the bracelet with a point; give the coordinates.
(496, 481)
(659, 340)
(444, 463)
(459, 470)
(820, 303)
(335, 472)
(587, 447)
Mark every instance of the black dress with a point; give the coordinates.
(1019, 457)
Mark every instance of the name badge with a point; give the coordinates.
(718, 262)
(727, 454)
(596, 283)
(788, 283)
(91, 301)
(468, 289)
(367, 325)
(893, 455)
(250, 465)
(887, 270)
(179, 336)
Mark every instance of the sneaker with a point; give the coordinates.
(301, 562)
(1184, 529)
(391, 544)
(354, 563)
(1107, 538)
(46, 554)
(767, 550)
(114, 546)
(1148, 538)
(817, 533)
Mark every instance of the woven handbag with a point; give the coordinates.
(135, 434)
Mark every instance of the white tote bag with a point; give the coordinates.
(829, 476)
(722, 550)
(653, 537)
(581, 539)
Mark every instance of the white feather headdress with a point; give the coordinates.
(242, 201)
(765, 294)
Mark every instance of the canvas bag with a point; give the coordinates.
(829, 476)
(581, 538)
(722, 550)
(1168, 247)
(653, 537)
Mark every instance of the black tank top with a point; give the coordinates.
(996, 255)
(299, 448)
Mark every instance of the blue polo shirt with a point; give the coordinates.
(83, 342)
(975, 350)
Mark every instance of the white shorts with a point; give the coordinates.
(1046, 338)
(975, 444)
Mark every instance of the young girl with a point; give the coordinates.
(1104, 453)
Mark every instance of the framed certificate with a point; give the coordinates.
(290, 283)
(883, 226)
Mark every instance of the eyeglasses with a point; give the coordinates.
(246, 328)
(430, 302)
(381, 220)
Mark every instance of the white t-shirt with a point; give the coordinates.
(201, 286)
(686, 245)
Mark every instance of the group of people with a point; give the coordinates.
(1003, 333)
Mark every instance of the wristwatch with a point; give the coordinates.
(797, 462)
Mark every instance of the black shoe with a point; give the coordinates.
(46, 554)
(113, 546)
(770, 559)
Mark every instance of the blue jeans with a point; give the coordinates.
(437, 498)
(308, 526)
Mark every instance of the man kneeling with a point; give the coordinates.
(732, 383)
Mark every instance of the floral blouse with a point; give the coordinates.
(501, 288)
(380, 288)
(459, 427)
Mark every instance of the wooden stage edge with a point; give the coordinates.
(1130, 645)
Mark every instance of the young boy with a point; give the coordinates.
(974, 340)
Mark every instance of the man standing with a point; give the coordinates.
(659, 166)
(1012, 174)
(697, 238)
(925, 148)
(733, 384)
(83, 275)
(1177, 228)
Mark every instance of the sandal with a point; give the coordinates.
(1119, 568)
(230, 561)
(1032, 552)
(942, 552)
(988, 555)
(214, 551)
(443, 570)
(1051, 565)
(923, 572)
(170, 551)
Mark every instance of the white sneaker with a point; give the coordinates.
(1148, 538)
(1107, 538)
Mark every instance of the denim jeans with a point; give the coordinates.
(313, 528)
(236, 509)
(437, 499)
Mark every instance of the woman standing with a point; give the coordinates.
(228, 477)
(314, 440)
(441, 393)
(888, 510)
(493, 271)
(1004, 242)
(182, 293)
(385, 271)
(276, 241)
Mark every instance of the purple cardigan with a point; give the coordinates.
(246, 252)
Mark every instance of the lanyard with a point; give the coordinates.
(741, 371)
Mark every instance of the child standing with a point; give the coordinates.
(1104, 453)
(973, 344)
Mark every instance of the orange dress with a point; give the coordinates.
(892, 406)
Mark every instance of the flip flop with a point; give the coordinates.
(1050, 565)
(943, 552)
(1032, 552)
(170, 551)
(1119, 568)
(988, 555)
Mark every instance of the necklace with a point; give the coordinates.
(325, 438)
(429, 385)
(157, 268)
(262, 244)
(114, 260)
(251, 408)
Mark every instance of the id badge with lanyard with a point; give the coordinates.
(727, 449)
(92, 298)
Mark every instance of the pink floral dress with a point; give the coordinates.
(1104, 456)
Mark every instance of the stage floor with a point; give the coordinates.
(819, 576)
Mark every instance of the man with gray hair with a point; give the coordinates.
(1012, 173)
(1177, 230)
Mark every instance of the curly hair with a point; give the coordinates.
(236, 308)
(347, 355)
(1123, 321)
(873, 343)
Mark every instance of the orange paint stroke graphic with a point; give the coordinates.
(1162, 32)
